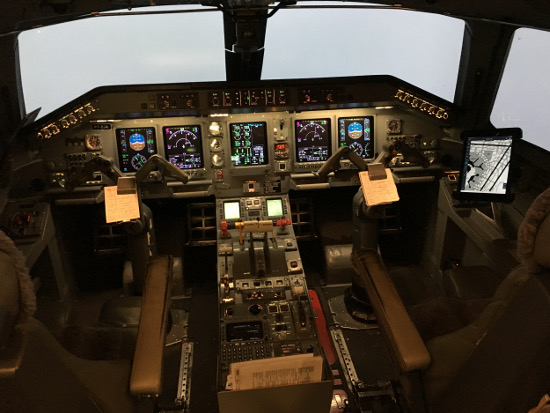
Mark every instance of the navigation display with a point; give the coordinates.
(248, 143)
(313, 140)
(183, 146)
(358, 134)
(486, 164)
(135, 146)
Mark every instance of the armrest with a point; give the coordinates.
(146, 377)
(405, 341)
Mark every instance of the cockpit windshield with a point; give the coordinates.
(186, 44)
(59, 63)
(357, 40)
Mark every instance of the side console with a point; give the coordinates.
(264, 305)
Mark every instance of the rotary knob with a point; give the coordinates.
(217, 161)
(215, 144)
(215, 129)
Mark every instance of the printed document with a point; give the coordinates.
(378, 191)
(276, 371)
(119, 208)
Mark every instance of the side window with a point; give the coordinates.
(523, 98)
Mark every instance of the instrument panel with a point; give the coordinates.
(238, 151)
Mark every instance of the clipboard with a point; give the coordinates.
(378, 185)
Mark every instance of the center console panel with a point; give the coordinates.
(264, 305)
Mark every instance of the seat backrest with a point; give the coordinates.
(482, 366)
(36, 373)
(452, 354)
(509, 369)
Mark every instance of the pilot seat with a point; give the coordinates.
(498, 362)
(38, 374)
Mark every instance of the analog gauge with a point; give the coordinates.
(93, 142)
(357, 148)
(394, 126)
(137, 142)
(215, 129)
(355, 130)
(137, 161)
(183, 140)
(312, 132)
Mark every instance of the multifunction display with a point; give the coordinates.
(252, 330)
(248, 143)
(312, 140)
(183, 145)
(358, 134)
(274, 207)
(135, 146)
(231, 210)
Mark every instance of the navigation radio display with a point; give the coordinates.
(248, 143)
(312, 140)
(183, 146)
(358, 134)
(135, 146)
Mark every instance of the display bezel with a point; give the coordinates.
(245, 331)
(127, 155)
(366, 141)
(263, 143)
(508, 136)
(300, 124)
(231, 210)
(172, 155)
(276, 203)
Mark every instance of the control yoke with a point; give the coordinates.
(105, 165)
(141, 239)
(155, 162)
(86, 173)
(333, 163)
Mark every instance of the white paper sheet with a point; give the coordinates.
(120, 208)
(379, 191)
(276, 371)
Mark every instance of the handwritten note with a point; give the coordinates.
(119, 208)
(378, 191)
(276, 371)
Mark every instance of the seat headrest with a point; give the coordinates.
(542, 244)
(17, 290)
(9, 293)
(534, 235)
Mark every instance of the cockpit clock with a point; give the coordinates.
(394, 126)
(93, 142)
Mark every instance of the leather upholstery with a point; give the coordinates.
(408, 346)
(443, 359)
(542, 244)
(146, 377)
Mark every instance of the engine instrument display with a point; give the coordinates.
(135, 146)
(358, 134)
(312, 140)
(248, 143)
(183, 145)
